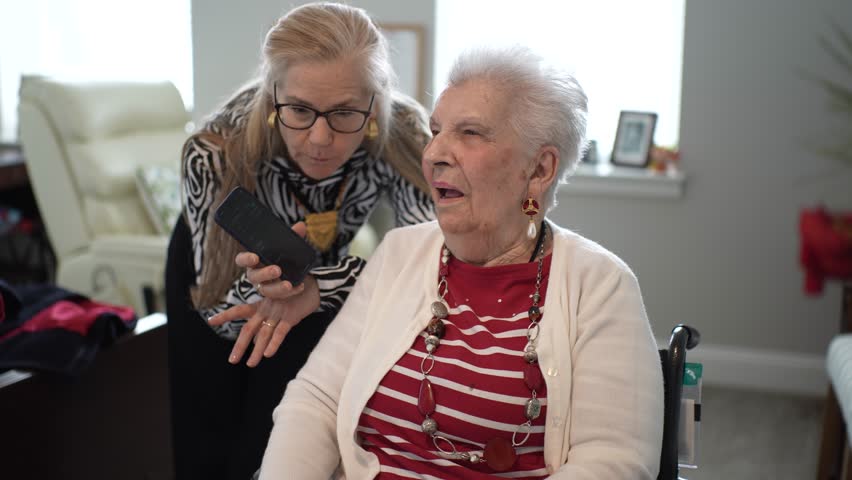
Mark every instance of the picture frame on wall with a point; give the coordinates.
(634, 138)
(408, 58)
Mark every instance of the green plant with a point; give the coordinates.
(839, 47)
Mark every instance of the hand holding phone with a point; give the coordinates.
(261, 232)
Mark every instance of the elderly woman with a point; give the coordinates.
(491, 342)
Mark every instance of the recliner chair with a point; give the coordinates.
(83, 143)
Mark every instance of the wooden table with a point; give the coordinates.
(112, 422)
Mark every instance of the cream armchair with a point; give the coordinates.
(83, 144)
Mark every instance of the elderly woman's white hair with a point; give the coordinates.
(548, 106)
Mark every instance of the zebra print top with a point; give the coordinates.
(368, 179)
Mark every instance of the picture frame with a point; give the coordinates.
(590, 156)
(407, 46)
(634, 139)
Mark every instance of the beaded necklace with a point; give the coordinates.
(499, 453)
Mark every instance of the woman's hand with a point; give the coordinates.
(268, 321)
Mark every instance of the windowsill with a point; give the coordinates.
(608, 180)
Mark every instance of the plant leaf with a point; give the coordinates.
(839, 47)
(840, 94)
(838, 153)
(838, 56)
(845, 39)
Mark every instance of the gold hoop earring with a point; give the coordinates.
(271, 119)
(372, 129)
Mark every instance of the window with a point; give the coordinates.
(627, 55)
(93, 40)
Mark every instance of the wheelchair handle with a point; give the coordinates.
(683, 338)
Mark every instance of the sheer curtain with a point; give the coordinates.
(92, 40)
(627, 55)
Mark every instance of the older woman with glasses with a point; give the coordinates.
(319, 137)
(491, 343)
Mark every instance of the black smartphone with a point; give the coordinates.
(261, 232)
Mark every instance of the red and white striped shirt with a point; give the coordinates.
(477, 380)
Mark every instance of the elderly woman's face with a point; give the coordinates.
(475, 163)
(319, 150)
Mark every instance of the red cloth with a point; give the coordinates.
(826, 247)
(477, 381)
(73, 316)
(47, 328)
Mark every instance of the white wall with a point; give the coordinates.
(227, 37)
(724, 257)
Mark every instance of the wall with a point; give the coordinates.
(227, 37)
(724, 257)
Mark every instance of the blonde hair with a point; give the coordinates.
(319, 32)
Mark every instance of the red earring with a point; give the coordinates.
(531, 209)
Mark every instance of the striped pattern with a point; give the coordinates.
(369, 178)
(477, 380)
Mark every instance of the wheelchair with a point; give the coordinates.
(673, 359)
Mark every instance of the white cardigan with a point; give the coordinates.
(596, 350)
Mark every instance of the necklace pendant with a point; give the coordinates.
(532, 409)
(533, 377)
(500, 454)
(426, 398)
(429, 426)
(436, 327)
(322, 229)
(535, 313)
(439, 310)
(433, 340)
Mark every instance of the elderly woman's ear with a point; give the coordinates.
(544, 168)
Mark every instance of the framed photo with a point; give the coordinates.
(634, 138)
(590, 156)
(408, 57)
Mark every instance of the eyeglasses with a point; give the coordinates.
(302, 117)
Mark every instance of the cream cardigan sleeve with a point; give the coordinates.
(303, 442)
(617, 387)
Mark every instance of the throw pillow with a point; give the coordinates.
(159, 187)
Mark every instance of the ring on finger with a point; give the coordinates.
(268, 323)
